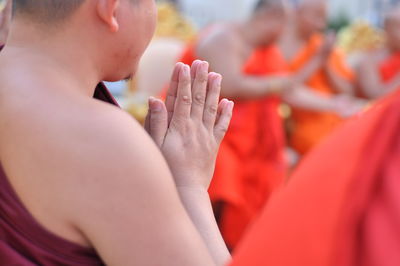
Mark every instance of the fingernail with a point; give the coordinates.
(204, 66)
(231, 105)
(196, 62)
(186, 69)
(155, 105)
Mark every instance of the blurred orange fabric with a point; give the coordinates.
(341, 207)
(310, 127)
(251, 162)
(390, 67)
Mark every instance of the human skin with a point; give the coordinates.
(86, 170)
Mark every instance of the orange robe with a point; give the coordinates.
(342, 206)
(251, 161)
(310, 127)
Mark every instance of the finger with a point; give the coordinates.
(183, 102)
(212, 99)
(199, 91)
(224, 119)
(172, 91)
(193, 70)
(158, 121)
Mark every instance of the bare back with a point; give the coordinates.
(43, 128)
(85, 169)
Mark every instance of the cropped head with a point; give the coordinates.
(115, 32)
(311, 16)
(270, 19)
(392, 28)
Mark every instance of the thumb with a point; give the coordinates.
(158, 120)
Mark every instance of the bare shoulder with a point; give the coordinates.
(221, 37)
(73, 155)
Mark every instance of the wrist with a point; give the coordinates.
(194, 196)
(277, 86)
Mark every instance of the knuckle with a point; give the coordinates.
(202, 79)
(186, 100)
(222, 130)
(199, 99)
(212, 109)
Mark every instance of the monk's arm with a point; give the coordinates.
(340, 84)
(126, 203)
(309, 69)
(224, 59)
(306, 98)
(371, 83)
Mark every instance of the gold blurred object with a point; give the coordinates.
(3, 4)
(284, 111)
(361, 37)
(138, 111)
(172, 24)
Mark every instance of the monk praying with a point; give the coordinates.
(251, 163)
(81, 183)
(304, 43)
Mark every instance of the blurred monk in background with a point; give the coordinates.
(251, 163)
(302, 44)
(379, 72)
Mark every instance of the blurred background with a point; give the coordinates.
(357, 22)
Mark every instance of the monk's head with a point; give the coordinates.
(311, 16)
(392, 28)
(269, 20)
(113, 34)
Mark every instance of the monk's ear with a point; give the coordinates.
(106, 9)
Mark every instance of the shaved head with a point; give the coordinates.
(311, 3)
(311, 17)
(46, 10)
(268, 21)
(261, 4)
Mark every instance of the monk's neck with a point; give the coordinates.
(62, 58)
